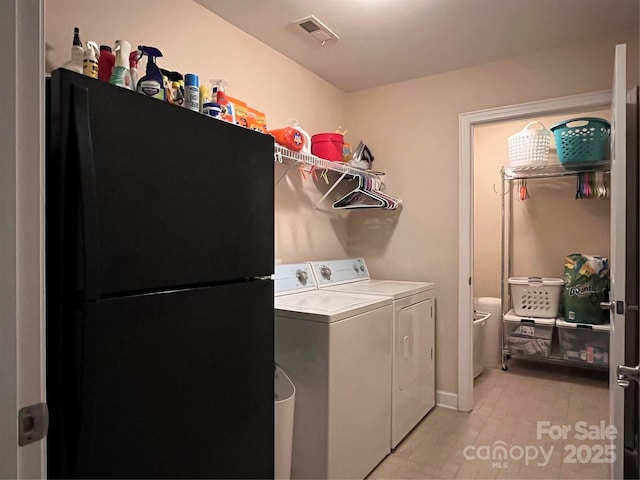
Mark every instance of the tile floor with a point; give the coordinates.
(508, 406)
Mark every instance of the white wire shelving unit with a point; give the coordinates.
(553, 170)
(545, 171)
(287, 157)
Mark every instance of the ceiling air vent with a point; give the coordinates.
(317, 29)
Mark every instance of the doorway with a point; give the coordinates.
(467, 124)
(623, 198)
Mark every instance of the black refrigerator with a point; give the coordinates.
(159, 310)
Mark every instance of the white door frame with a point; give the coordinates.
(22, 369)
(467, 122)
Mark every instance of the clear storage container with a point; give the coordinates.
(528, 335)
(584, 343)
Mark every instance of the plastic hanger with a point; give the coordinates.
(366, 195)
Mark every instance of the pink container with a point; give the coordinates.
(328, 146)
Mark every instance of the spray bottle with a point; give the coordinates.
(217, 93)
(121, 75)
(152, 83)
(134, 58)
(77, 53)
(90, 62)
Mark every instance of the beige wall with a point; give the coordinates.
(412, 129)
(545, 228)
(192, 39)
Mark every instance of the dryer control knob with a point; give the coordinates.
(325, 272)
(355, 267)
(303, 276)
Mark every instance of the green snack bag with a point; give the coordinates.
(586, 285)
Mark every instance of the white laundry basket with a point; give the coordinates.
(536, 296)
(529, 146)
(285, 396)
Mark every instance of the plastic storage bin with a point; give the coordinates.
(529, 146)
(584, 139)
(536, 296)
(527, 335)
(583, 343)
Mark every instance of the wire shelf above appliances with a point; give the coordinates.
(553, 170)
(289, 157)
(369, 188)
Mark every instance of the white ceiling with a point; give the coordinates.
(386, 41)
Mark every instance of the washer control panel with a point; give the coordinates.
(294, 277)
(331, 272)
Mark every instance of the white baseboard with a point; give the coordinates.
(447, 400)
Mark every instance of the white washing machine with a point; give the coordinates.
(413, 351)
(336, 348)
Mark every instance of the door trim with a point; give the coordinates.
(467, 122)
(22, 369)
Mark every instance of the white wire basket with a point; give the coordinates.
(536, 296)
(529, 146)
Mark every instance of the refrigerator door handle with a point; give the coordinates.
(88, 191)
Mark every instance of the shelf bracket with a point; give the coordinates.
(330, 190)
(284, 174)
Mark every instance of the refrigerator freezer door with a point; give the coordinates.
(164, 390)
(145, 196)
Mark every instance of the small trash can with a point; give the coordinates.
(492, 331)
(284, 398)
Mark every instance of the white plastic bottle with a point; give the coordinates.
(90, 62)
(121, 75)
(77, 53)
(306, 145)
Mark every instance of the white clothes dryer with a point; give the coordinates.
(336, 348)
(413, 333)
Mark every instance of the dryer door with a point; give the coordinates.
(414, 349)
(413, 372)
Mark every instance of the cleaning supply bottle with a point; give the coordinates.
(227, 113)
(121, 75)
(174, 86)
(167, 84)
(306, 144)
(106, 62)
(77, 53)
(152, 83)
(192, 92)
(205, 96)
(90, 62)
(134, 58)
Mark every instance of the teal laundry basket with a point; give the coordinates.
(584, 139)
